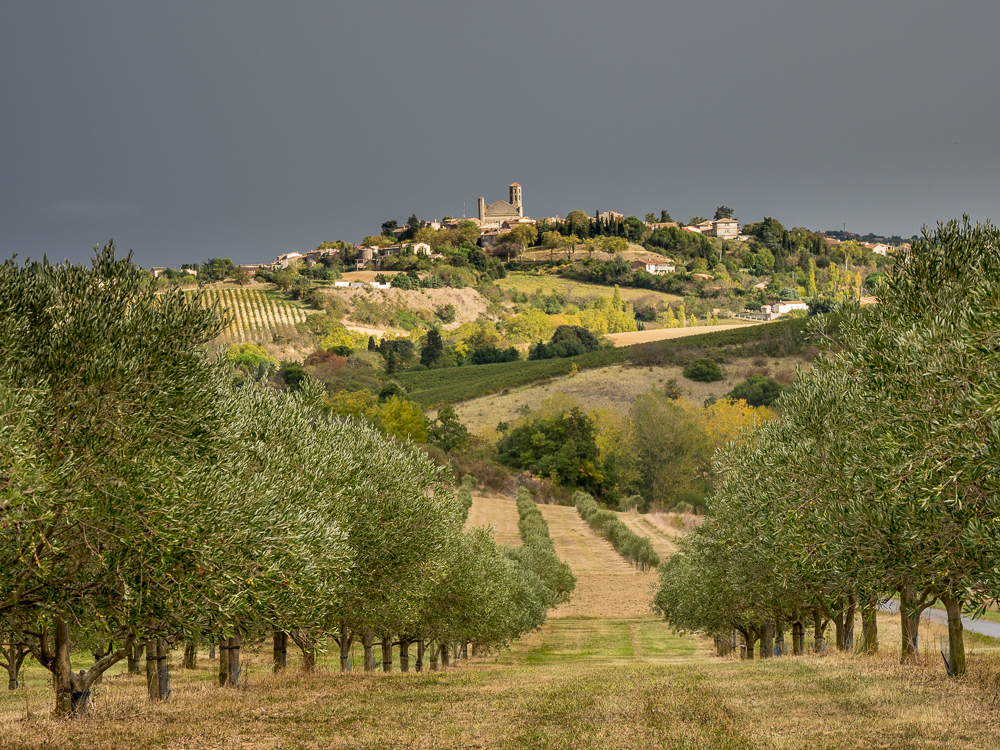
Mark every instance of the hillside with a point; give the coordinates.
(739, 349)
(578, 290)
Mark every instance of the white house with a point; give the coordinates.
(652, 267)
(786, 307)
(726, 229)
(881, 249)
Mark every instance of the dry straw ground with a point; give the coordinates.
(614, 388)
(602, 673)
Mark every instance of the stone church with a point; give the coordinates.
(502, 210)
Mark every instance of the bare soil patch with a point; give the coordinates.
(659, 334)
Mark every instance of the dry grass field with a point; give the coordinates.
(578, 290)
(602, 673)
(614, 388)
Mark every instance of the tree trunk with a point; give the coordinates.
(767, 640)
(279, 649)
(847, 644)
(956, 638)
(191, 655)
(779, 636)
(818, 627)
(234, 658)
(223, 662)
(14, 654)
(72, 690)
(63, 671)
(346, 639)
(163, 669)
(386, 652)
(211, 650)
(99, 654)
(475, 649)
(404, 654)
(308, 648)
(445, 656)
(869, 630)
(434, 657)
(366, 641)
(152, 673)
(420, 655)
(465, 652)
(909, 617)
(132, 660)
(838, 629)
(798, 638)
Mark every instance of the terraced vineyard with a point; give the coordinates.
(255, 315)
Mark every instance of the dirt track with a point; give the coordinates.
(659, 334)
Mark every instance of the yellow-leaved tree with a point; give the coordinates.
(403, 420)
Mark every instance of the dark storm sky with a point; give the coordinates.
(188, 130)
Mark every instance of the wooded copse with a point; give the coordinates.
(637, 550)
(148, 502)
(878, 480)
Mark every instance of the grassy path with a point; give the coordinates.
(662, 543)
(498, 512)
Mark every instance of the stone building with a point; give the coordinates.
(502, 210)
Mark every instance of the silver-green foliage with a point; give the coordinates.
(637, 550)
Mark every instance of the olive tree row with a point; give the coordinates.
(880, 477)
(145, 501)
(637, 550)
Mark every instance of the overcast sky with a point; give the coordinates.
(189, 130)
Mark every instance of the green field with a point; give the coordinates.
(431, 388)
(577, 290)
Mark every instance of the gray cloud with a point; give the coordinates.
(188, 130)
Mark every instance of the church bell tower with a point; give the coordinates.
(515, 198)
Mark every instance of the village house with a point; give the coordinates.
(726, 229)
(652, 267)
(607, 216)
(788, 306)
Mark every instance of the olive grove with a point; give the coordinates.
(879, 480)
(150, 500)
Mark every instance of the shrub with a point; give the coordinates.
(446, 313)
(758, 390)
(703, 370)
(489, 355)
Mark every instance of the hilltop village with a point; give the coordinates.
(757, 270)
(409, 327)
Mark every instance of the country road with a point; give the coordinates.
(985, 627)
